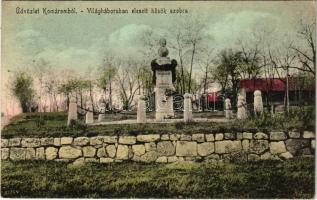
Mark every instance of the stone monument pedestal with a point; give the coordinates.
(163, 103)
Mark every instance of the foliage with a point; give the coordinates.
(22, 89)
(264, 179)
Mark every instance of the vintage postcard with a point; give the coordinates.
(158, 99)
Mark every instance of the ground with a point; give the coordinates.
(265, 179)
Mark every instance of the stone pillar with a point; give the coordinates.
(141, 113)
(228, 109)
(258, 103)
(102, 110)
(72, 110)
(242, 111)
(89, 114)
(188, 112)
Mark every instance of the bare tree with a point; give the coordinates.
(306, 53)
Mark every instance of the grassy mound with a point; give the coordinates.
(54, 125)
(266, 179)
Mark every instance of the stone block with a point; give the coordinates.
(258, 146)
(66, 140)
(266, 156)
(186, 137)
(229, 136)
(162, 159)
(40, 153)
(295, 145)
(205, 148)
(47, 141)
(138, 149)
(308, 134)
(51, 153)
(165, 137)
(111, 151)
(227, 146)
(149, 157)
(17, 153)
(198, 137)
(174, 137)
(172, 159)
(239, 136)
(89, 151)
(4, 153)
(4, 143)
(97, 140)
(110, 139)
(150, 146)
(293, 134)
(247, 135)
(30, 142)
(122, 152)
(148, 138)
(286, 156)
(30, 154)
(101, 152)
(219, 136)
(69, 152)
(106, 160)
(184, 148)
(253, 157)
(261, 136)
(278, 136)
(57, 142)
(277, 147)
(127, 139)
(313, 144)
(92, 160)
(81, 141)
(14, 142)
(210, 137)
(165, 148)
(245, 145)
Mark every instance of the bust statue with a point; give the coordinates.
(163, 62)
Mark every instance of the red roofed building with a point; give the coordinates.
(273, 90)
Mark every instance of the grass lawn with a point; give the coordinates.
(54, 125)
(265, 179)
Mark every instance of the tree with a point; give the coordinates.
(127, 82)
(107, 74)
(227, 72)
(306, 53)
(22, 89)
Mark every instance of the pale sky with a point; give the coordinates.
(80, 41)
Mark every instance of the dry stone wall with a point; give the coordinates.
(165, 148)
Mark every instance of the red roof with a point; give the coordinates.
(275, 84)
(213, 96)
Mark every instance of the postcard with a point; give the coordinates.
(158, 99)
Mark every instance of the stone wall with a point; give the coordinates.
(165, 148)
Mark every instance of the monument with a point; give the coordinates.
(141, 112)
(188, 112)
(258, 103)
(242, 111)
(164, 75)
(72, 109)
(89, 115)
(228, 109)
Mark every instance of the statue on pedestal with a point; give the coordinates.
(164, 75)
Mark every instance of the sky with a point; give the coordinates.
(81, 41)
